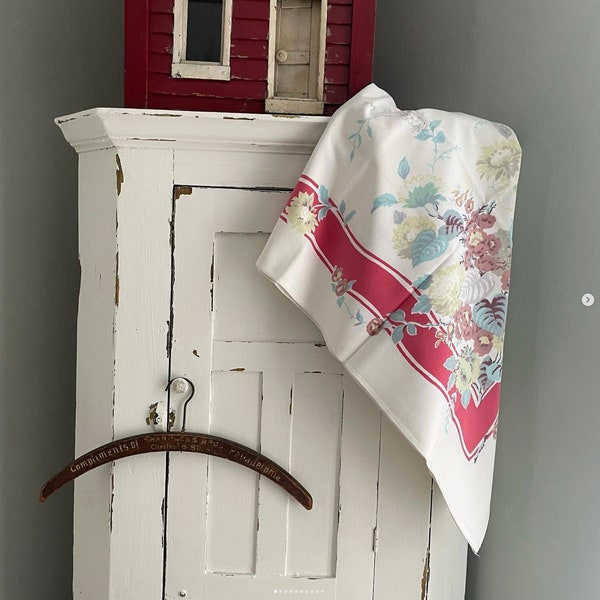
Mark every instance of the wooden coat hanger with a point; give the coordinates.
(181, 441)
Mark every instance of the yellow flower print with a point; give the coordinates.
(498, 343)
(500, 162)
(445, 290)
(300, 213)
(406, 232)
(467, 370)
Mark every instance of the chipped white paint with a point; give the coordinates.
(262, 376)
(193, 69)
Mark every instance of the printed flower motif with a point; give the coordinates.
(337, 274)
(406, 232)
(463, 321)
(500, 162)
(485, 220)
(300, 213)
(486, 263)
(440, 337)
(445, 288)
(491, 243)
(483, 341)
(505, 280)
(498, 344)
(342, 287)
(374, 326)
(417, 121)
(467, 370)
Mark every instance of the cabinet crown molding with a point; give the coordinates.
(102, 128)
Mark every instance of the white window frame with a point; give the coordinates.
(193, 69)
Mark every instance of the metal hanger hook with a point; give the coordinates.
(180, 385)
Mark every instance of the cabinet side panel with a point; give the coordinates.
(142, 313)
(95, 369)
(448, 554)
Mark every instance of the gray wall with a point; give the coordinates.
(533, 65)
(56, 57)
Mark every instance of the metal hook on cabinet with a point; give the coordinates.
(181, 385)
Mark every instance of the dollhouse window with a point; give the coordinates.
(201, 39)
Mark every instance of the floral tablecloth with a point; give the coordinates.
(397, 242)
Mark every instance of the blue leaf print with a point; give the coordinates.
(451, 381)
(427, 246)
(491, 316)
(369, 131)
(422, 306)
(423, 195)
(450, 363)
(324, 195)
(440, 137)
(383, 200)
(350, 284)
(455, 224)
(423, 135)
(494, 371)
(342, 207)
(423, 282)
(403, 168)
(352, 155)
(349, 216)
(397, 334)
(340, 301)
(322, 213)
(434, 124)
(411, 329)
(465, 398)
(397, 316)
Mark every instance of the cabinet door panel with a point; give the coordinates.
(264, 378)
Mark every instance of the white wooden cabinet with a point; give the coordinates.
(174, 210)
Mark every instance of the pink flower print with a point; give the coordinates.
(486, 221)
(483, 341)
(342, 287)
(469, 205)
(440, 337)
(505, 280)
(337, 274)
(463, 320)
(374, 326)
(492, 243)
(486, 263)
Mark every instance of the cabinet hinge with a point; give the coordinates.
(375, 539)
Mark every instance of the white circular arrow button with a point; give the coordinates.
(588, 299)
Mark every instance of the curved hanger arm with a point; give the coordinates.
(179, 442)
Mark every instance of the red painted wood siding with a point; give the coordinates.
(149, 47)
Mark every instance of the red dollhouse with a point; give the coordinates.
(279, 56)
